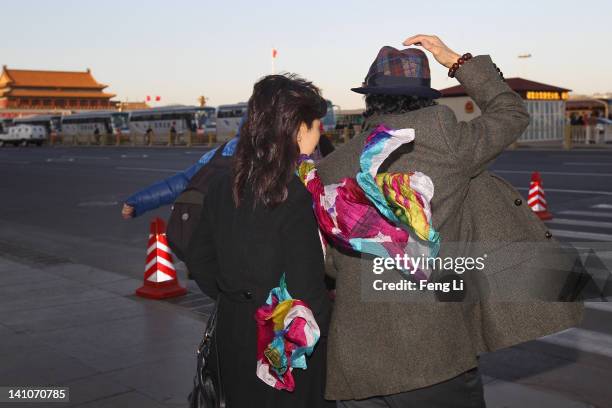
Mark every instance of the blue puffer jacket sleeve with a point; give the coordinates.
(163, 192)
(166, 191)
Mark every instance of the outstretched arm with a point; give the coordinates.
(166, 191)
(158, 194)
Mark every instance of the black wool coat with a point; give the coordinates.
(237, 255)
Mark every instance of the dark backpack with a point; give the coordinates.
(186, 210)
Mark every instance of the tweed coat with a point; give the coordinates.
(386, 347)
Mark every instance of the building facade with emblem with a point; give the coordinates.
(545, 103)
(31, 91)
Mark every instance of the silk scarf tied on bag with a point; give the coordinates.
(385, 215)
(286, 334)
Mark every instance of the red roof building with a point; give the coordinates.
(50, 90)
(524, 87)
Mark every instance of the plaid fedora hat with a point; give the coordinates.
(399, 72)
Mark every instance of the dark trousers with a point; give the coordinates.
(463, 391)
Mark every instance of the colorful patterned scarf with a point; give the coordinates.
(385, 214)
(286, 333)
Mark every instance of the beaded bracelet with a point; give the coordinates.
(456, 65)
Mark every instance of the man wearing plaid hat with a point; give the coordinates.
(421, 351)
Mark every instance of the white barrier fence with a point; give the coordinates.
(590, 135)
(573, 136)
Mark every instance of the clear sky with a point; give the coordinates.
(181, 49)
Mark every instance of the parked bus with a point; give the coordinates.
(51, 123)
(161, 120)
(95, 123)
(228, 119)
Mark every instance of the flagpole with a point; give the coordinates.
(274, 54)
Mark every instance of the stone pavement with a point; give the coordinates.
(73, 325)
(81, 327)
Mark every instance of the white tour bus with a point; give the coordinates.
(95, 123)
(228, 119)
(51, 123)
(161, 120)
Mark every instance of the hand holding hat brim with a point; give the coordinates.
(436, 47)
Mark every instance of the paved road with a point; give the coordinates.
(73, 195)
(62, 204)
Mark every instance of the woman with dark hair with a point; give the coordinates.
(257, 225)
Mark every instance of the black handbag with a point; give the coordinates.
(207, 388)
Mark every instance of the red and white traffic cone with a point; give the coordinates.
(536, 198)
(160, 279)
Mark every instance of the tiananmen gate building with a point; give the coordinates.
(52, 90)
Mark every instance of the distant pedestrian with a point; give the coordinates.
(573, 119)
(173, 134)
(325, 144)
(149, 136)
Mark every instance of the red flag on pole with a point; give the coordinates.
(274, 52)
(158, 98)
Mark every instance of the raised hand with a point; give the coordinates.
(436, 47)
